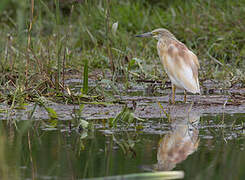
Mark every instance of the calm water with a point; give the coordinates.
(206, 147)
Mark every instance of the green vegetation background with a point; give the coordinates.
(41, 40)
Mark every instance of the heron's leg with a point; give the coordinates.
(170, 98)
(185, 93)
(173, 93)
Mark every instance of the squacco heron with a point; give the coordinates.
(180, 64)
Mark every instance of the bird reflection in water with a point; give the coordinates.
(177, 145)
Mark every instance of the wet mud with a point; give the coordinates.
(144, 104)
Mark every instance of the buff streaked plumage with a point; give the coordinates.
(180, 64)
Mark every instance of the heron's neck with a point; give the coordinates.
(167, 39)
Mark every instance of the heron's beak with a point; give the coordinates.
(148, 34)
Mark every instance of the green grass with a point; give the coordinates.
(66, 34)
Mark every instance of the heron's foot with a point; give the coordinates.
(185, 96)
(170, 98)
(172, 101)
(173, 94)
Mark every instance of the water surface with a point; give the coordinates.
(202, 146)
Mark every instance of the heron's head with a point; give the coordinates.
(158, 34)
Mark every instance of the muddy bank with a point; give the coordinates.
(144, 107)
(143, 99)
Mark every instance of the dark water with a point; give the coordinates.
(206, 147)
